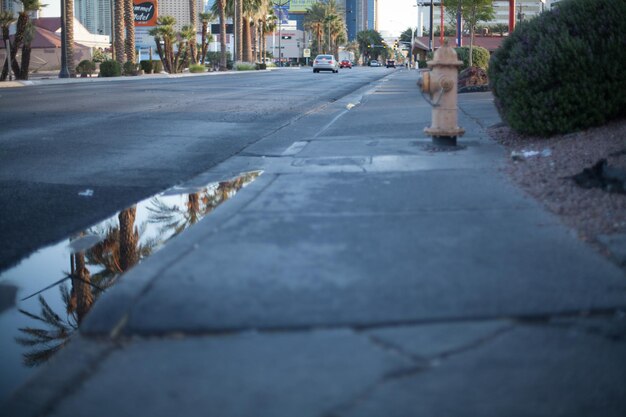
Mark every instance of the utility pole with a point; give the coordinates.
(279, 6)
(431, 35)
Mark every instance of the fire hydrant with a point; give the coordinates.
(439, 81)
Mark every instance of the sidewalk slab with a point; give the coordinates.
(362, 274)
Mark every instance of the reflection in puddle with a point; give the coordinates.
(86, 265)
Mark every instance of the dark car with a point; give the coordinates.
(391, 63)
(345, 64)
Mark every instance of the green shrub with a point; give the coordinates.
(562, 71)
(157, 66)
(197, 68)
(480, 57)
(130, 68)
(86, 68)
(244, 66)
(146, 66)
(110, 69)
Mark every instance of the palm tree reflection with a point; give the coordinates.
(117, 252)
(121, 245)
(173, 219)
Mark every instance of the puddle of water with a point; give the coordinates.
(57, 286)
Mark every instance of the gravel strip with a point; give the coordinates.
(546, 175)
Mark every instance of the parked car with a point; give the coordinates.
(391, 63)
(345, 64)
(374, 63)
(325, 63)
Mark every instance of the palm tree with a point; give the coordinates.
(193, 19)
(269, 26)
(164, 32)
(129, 22)
(187, 38)
(69, 37)
(205, 18)
(255, 11)
(239, 28)
(221, 11)
(24, 35)
(120, 31)
(6, 18)
(338, 34)
(314, 22)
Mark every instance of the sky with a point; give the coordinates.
(395, 16)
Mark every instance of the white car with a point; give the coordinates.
(374, 63)
(325, 63)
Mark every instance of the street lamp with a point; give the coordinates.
(64, 72)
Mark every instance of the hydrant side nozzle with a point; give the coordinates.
(424, 81)
(446, 83)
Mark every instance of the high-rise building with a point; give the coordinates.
(361, 15)
(10, 6)
(179, 9)
(94, 15)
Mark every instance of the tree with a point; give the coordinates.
(187, 39)
(120, 31)
(238, 20)
(472, 12)
(205, 18)
(268, 26)
(314, 22)
(193, 19)
(69, 38)
(219, 8)
(24, 35)
(371, 44)
(326, 23)
(129, 22)
(164, 37)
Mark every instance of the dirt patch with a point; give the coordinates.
(544, 168)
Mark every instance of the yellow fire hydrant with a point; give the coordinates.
(440, 81)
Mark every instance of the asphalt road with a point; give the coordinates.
(127, 139)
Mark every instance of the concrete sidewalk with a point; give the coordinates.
(364, 273)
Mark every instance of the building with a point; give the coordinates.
(94, 15)
(525, 10)
(179, 9)
(11, 6)
(46, 44)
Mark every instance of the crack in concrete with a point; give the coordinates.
(615, 333)
(47, 399)
(418, 365)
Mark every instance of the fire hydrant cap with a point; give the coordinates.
(445, 55)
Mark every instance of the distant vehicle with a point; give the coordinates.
(391, 63)
(345, 64)
(325, 63)
(374, 63)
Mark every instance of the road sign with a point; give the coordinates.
(306, 53)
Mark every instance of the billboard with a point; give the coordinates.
(300, 6)
(145, 12)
